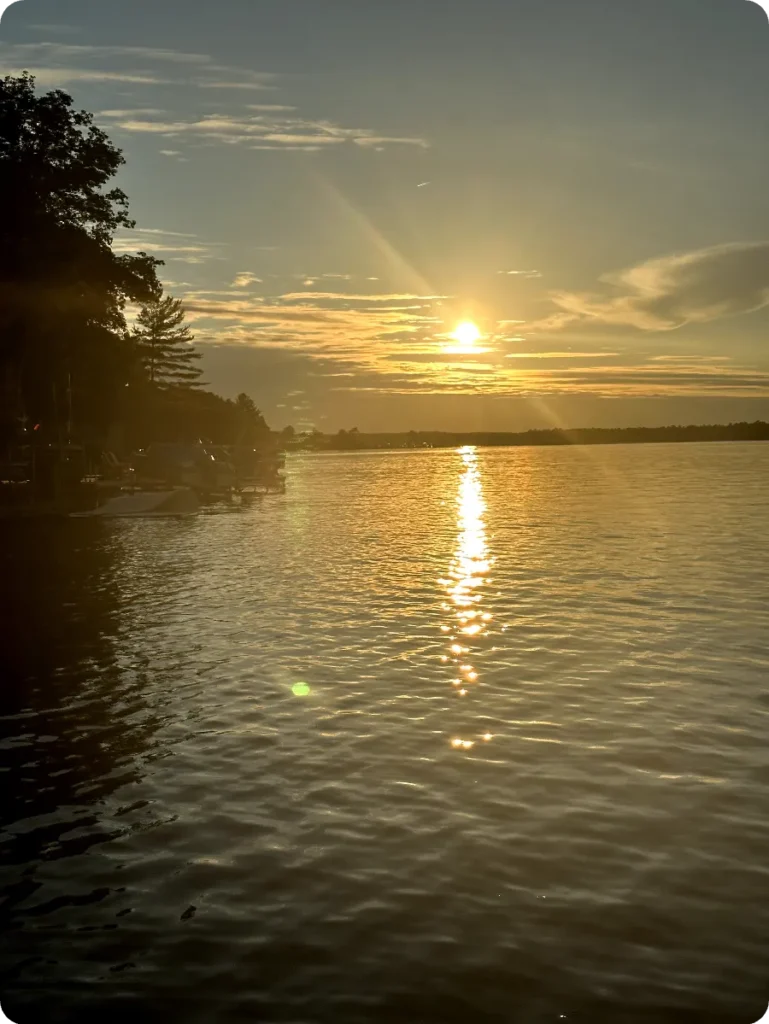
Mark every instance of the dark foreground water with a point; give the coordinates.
(529, 782)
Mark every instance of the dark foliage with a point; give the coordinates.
(189, 415)
(64, 344)
(68, 361)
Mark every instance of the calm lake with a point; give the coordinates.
(526, 778)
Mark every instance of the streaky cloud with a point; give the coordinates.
(163, 232)
(136, 112)
(57, 63)
(668, 292)
(390, 140)
(56, 77)
(236, 85)
(270, 107)
(64, 51)
(560, 355)
(344, 297)
(257, 131)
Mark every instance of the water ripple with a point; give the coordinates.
(524, 780)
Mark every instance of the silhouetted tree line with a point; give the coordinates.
(347, 440)
(70, 363)
(758, 431)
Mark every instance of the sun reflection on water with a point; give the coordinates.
(468, 574)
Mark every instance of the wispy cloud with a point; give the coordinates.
(123, 245)
(261, 126)
(57, 77)
(257, 84)
(66, 51)
(560, 355)
(136, 112)
(380, 141)
(520, 273)
(163, 233)
(255, 131)
(244, 279)
(59, 63)
(645, 380)
(364, 334)
(668, 292)
(345, 297)
(690, 359)
(377, 346)
(367, 322)
(273, 108)
(451, 375)
(173, 246)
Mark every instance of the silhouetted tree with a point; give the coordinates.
(164, 345)
(347, 440)
(63, 335)
(191, 415)
(252, 424)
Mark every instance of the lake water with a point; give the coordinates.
(529, 781)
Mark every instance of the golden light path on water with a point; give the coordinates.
(468, 575)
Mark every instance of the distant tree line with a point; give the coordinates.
(71, 364)
(346, 440)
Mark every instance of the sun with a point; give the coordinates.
(466, 333)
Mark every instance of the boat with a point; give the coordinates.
(176, 465)
(181, 501)
(256, 469)
(211, 471)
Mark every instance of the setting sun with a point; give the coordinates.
(466, 333)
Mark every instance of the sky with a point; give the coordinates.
(334, 185)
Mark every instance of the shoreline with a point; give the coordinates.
(419, 440)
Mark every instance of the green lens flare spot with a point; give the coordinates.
(300, 690)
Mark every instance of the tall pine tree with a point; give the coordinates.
(164, 345)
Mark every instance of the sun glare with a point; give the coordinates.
(466, 333)
(465, 340)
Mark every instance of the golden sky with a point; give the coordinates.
(334, 194)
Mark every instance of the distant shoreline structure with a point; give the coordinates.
(357, 441)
